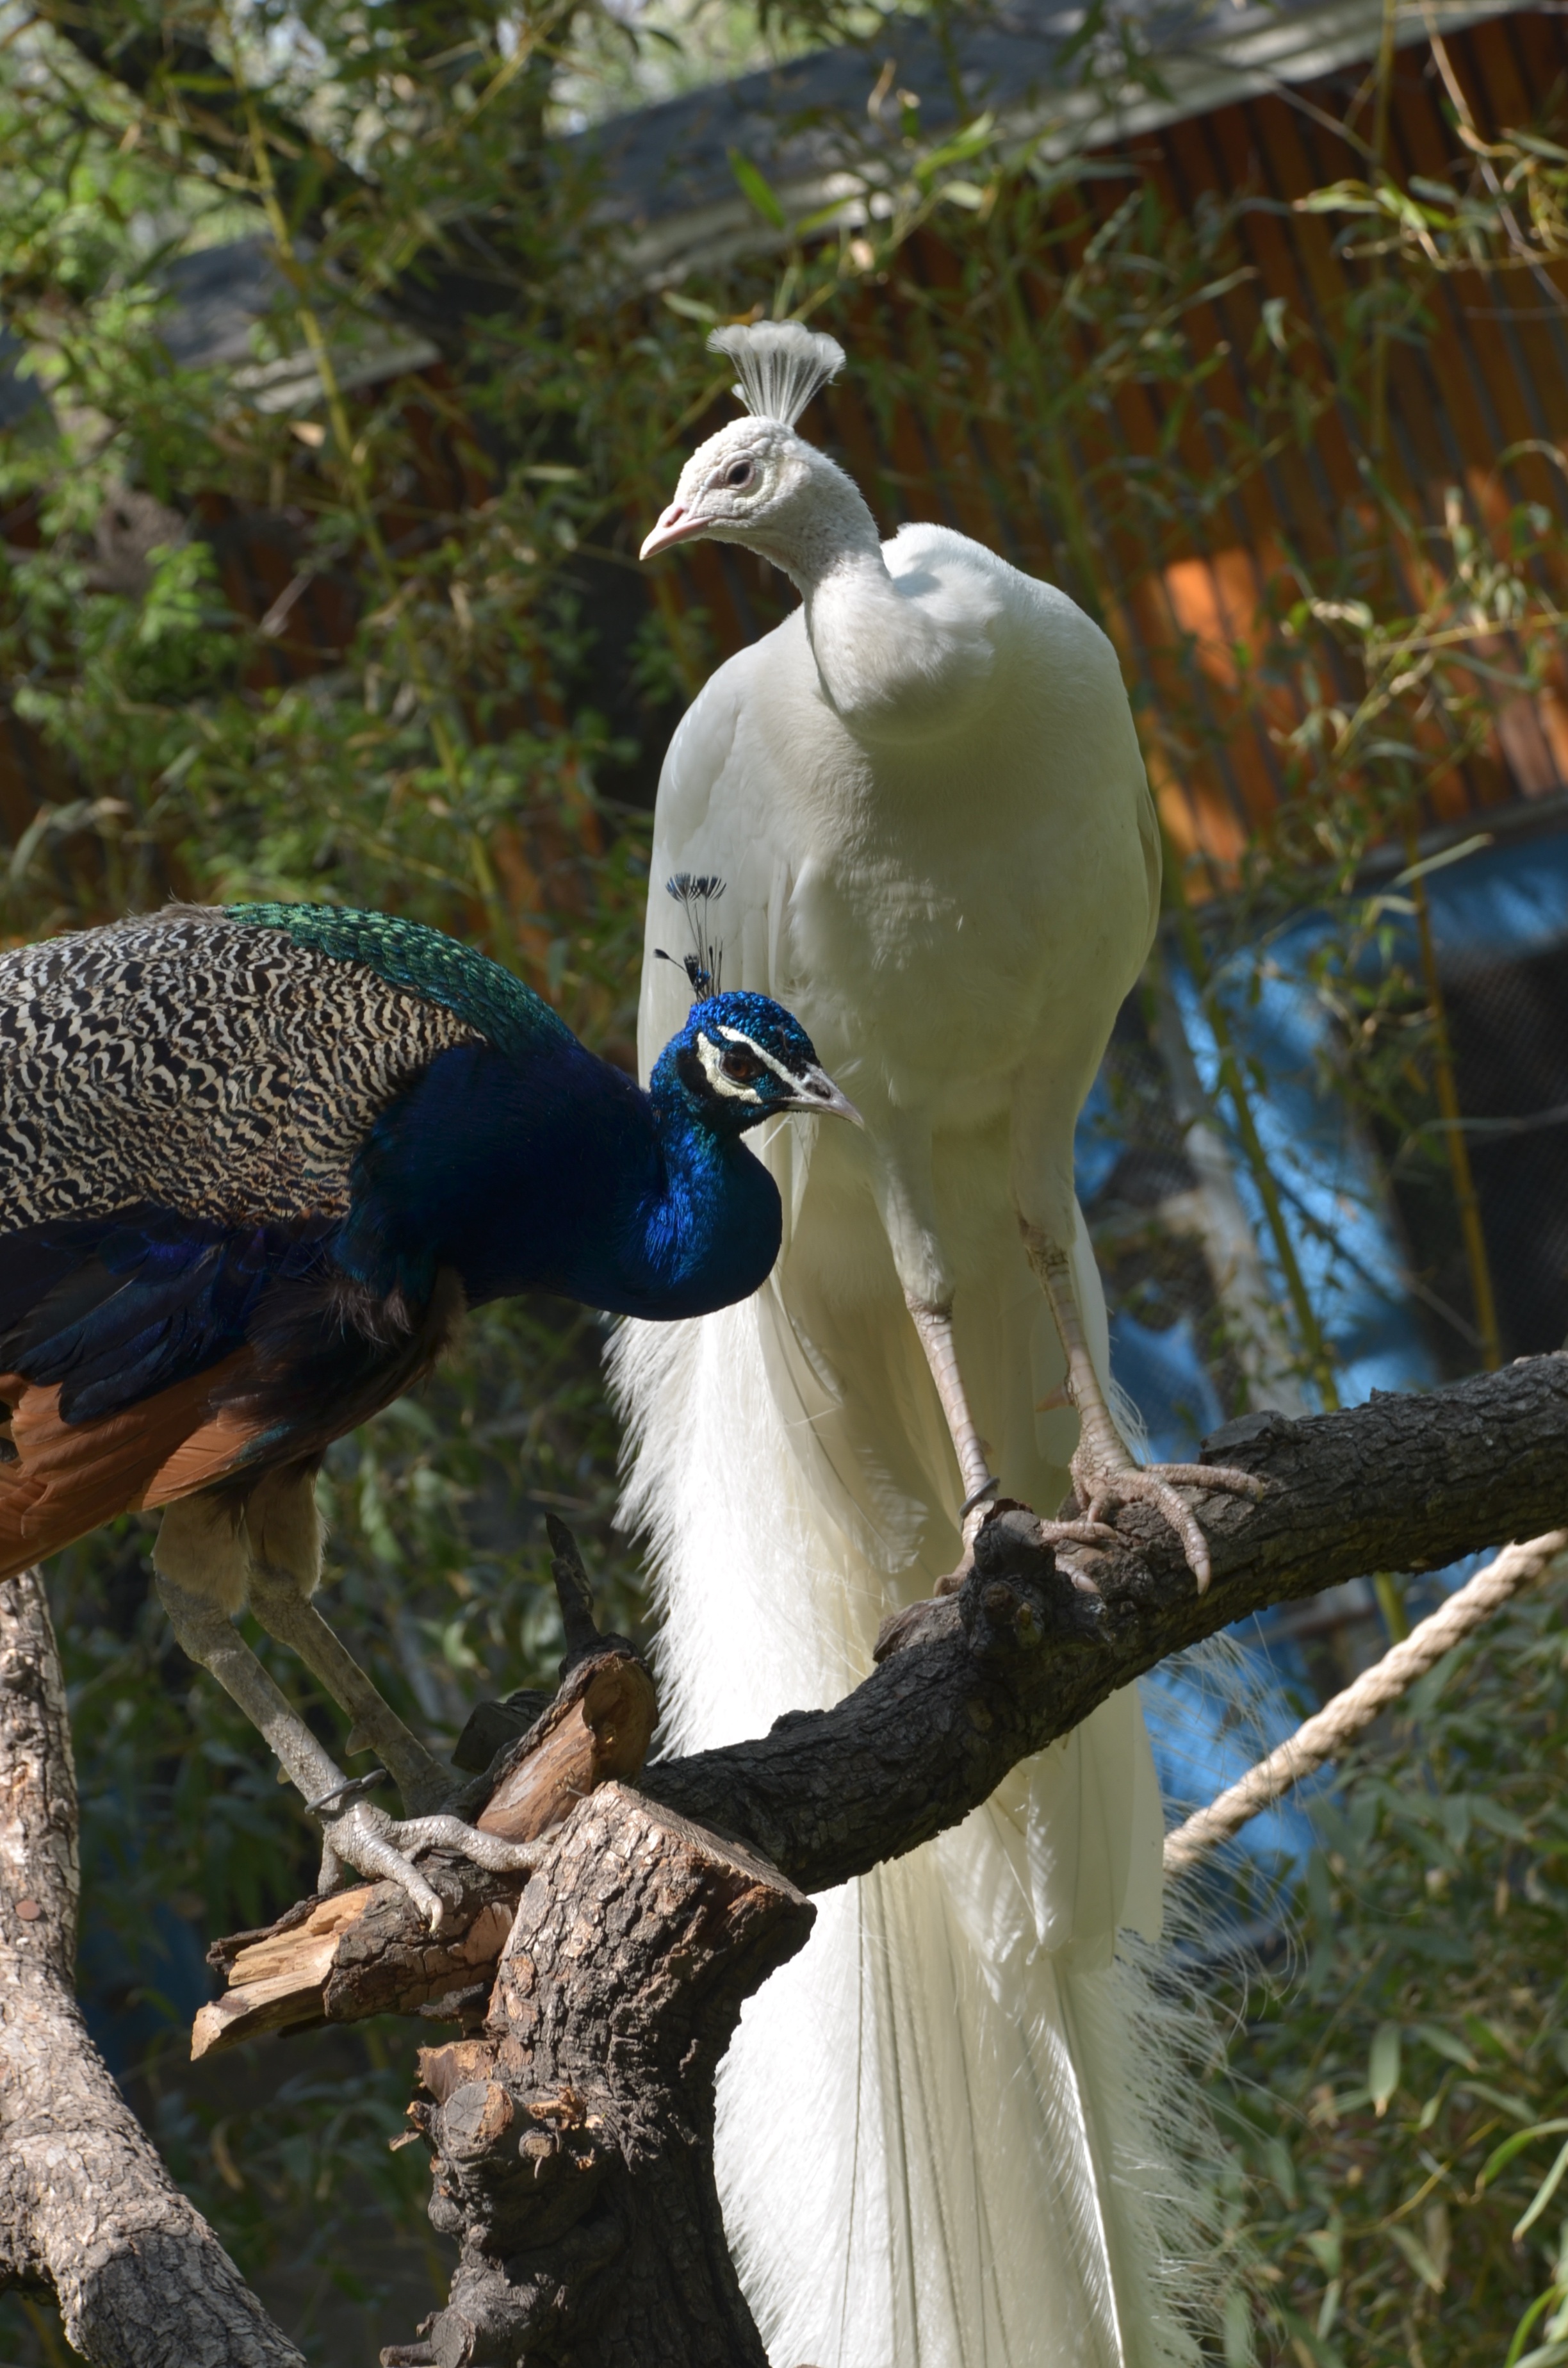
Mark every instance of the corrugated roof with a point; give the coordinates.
(1478, 410)
(667, 169)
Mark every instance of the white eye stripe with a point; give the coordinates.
(713, 1061)
(735, 1036)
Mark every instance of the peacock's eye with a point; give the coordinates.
(742, 1065)
(739, 474)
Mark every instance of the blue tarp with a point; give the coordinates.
(1498, 903)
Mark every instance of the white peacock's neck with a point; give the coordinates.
(895, 663)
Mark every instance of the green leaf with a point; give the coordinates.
(1443, 2042)
(688, 306)
(1543, 2195)
(1420, 2260)
(757, 190)
(1495, 2096)
(1382, 2066)
(1510, 2147)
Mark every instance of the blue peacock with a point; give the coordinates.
(257, 1161)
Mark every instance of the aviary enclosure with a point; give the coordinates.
(346, 608)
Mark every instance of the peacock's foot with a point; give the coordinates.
(1098, 1486)
(357, 1835)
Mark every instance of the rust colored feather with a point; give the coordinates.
(68, 1479)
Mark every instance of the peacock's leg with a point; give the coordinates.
(283, 1532)
(203, 1563)
(935, 1325)
(1104, 1472)
(906, 1201)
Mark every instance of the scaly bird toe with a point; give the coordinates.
(1088, 1533)
(382, 1848)
(1097, 1488)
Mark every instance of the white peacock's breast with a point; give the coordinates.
(935, 914)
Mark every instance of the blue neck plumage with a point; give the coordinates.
(569, 1179)
(710, 1237)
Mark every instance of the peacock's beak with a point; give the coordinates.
(819, 1095)
(677, 524)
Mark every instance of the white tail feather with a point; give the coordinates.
(961, 2129)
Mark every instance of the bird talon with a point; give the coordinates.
(1085, 1532)
(382, 1848)
(1157, 1484)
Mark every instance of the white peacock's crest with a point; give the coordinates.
(782, 363)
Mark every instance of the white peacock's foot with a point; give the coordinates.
(1098, 1486)
(360, 1836)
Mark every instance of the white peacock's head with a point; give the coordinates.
(756, 481)
(742, 485)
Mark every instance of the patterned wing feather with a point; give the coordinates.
(182, 1099)
(490, 1000)
(192, 1062)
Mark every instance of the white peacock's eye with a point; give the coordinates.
(739, 474)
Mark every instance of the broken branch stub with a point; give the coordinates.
(572, 2142)
(366, 1952)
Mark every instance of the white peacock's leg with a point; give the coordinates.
(283, 1532)
(906, 1199)
(202, 1562)
(1100, 1441)
(1104, 1472)
(935, 1325)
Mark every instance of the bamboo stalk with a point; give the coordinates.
(1446, 1089)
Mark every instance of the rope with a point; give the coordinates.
(1335, 1728)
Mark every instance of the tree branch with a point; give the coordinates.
(974, 1681)
(86, 2207)
(1029, 1649)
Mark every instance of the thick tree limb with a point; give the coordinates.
(357, 1953)
(1027, 1650)
(86, 2207)
(573, 2140)
(1022, 1654)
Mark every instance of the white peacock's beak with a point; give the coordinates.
(820, 1095)
(677, 524)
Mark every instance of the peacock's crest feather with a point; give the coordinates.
(781, 364)
(496, 1005)
(693, 893)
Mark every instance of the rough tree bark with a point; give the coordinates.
(86, 2208)
(573, 2142)
(572, 2128)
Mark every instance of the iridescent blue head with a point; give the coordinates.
(741, 1059)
